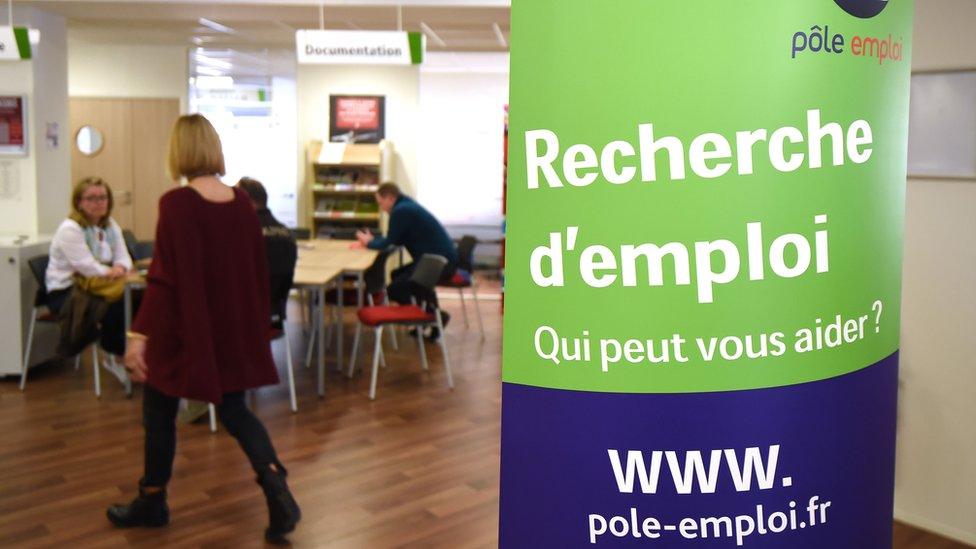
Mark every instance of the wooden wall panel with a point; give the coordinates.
(136, 134)
(114, 162)
(152, 121)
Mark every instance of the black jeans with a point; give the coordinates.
(401, 288)
(113, 323)
(159, 420)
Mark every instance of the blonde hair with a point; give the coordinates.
(80, 187)
(194, 148)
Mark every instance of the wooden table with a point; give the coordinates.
(335, 253)
(350, 261)
(320, 263)
(317, 279)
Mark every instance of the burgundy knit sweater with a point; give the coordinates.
(206, 309)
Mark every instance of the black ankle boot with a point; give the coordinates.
(435, 332)
(283, 511)
(147, 510)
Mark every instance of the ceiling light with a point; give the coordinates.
(210, 61)
(213, 25)
(209, 71)
(215, 83)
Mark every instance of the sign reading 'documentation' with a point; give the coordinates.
(14, 44)
(359, 47)
(703, 287)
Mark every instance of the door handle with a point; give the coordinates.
(126, 198)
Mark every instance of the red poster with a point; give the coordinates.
(356, 119)
(12, 119)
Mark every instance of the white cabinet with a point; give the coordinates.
(17, 291)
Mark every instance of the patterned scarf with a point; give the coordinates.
(95, 244)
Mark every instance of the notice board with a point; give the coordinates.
(13, 125)
(942, 125)
(357, 118)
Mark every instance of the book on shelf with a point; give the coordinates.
(365, 207)
(345, 205)
(346, 179)
(344, 187)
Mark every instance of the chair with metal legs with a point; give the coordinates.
(464, 279)
(281, 289)
(426, 274)
(276, 335)
(374, 281)
(282, 335)
(40, 313)
(212, 410)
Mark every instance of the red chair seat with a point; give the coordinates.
(47, 316)
(461, 279)
(394, 314)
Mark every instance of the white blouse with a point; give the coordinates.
(70, 254)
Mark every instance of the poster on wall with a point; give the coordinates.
(703, 273)
(356, 118)
(13, 125)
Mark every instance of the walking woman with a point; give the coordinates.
(203, 331)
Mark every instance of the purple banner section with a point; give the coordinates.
(802, 466)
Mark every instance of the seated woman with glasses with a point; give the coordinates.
(88, 248)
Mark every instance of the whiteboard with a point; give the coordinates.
(942, 125)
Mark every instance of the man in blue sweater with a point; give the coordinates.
(417, 230)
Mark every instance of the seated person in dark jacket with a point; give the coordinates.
(417, 230)
(281, 247)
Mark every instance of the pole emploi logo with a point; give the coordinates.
(865, 9)
(820, 40)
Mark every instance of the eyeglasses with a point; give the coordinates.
(99, 198)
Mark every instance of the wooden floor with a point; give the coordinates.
(416, 468)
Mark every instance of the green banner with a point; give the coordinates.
(703, 272)
(729, 210)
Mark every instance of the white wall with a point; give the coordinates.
(51, 107)
(43, 181)
(127, 70)
(935, 484)
(462, 104)
(400, 85)
(262, 147)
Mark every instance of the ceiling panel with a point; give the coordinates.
(272, 25)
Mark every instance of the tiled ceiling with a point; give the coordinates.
(463, 27)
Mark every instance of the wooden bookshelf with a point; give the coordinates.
(342, 182)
